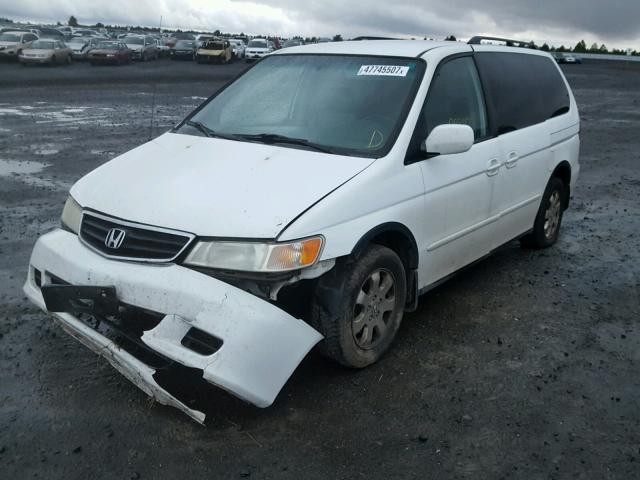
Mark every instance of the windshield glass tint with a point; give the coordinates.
(7, 37)
(213, 46)
(258, 44)
(350, 104)
(134, 40)
(108, 45)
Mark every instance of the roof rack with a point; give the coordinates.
(477, 40)
(373, 38)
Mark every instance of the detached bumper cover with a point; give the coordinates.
(262, 345)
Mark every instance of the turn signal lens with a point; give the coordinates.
(294, 255)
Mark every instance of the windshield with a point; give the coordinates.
(213, 46)
(108, 45)
(185, 44)
(8, 37)
(292, 43)
(347, 104)
(134, 40)
(258, 44)
(40, 45)
(78, 40)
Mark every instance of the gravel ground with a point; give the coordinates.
(524, 366)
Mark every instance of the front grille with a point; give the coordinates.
(140, 242)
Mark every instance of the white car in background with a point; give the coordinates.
(238, 47)
(13, 43)
(312, 200)
(257, 48)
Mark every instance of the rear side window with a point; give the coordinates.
(521, 89)
(455, 96)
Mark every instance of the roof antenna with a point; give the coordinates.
(153, 94)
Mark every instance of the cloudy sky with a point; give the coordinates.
(613, 22)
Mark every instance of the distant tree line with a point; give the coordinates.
(581, 47)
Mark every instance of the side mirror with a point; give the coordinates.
(448, 139)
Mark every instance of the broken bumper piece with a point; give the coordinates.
(259, 345)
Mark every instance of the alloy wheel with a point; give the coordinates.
(374, 308)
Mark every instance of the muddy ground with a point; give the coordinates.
(524, 366)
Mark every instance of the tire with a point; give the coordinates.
(546, 227)
(68, 59)
(357, 318)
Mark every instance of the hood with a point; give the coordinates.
(76, 47)
(133, 46)
(9, 44)
(257, 49)
(214, 187)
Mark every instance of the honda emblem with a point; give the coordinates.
(115, 237)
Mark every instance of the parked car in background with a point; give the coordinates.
(66, 31)
(201, 39)
(110, 52)
(214, 51)
(163, 49)
(81, 46)
(173, 38)
(257, 48)
(143, 47)
(238, 47)
(13, 43)
(50, 33)
(83, 32)
(294, 42)
(568, 58)
(52, 52)
(183, 50)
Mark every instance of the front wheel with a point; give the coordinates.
(358, 307)
(546, 227)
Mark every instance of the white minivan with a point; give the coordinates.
(310, 201)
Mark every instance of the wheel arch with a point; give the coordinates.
(401, 240)
(395, 236)
(563, 172)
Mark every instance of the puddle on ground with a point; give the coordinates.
(15, 167)
(25, 172)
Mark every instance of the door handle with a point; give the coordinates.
(494, 167)
(512, 160)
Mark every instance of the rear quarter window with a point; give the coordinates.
(521, 89)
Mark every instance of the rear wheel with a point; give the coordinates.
(358, 307)
(546, 227)
(68, 59)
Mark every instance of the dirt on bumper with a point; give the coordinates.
(261, 344)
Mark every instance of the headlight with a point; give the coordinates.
(256, 257)
(71, 215)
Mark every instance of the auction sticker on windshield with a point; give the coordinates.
(389, 70)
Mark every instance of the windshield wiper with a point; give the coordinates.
(271, 138)
(208, 132)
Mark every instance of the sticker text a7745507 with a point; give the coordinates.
(386, 70)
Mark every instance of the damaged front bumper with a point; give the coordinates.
(261, 345)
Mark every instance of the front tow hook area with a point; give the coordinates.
(259, 346)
